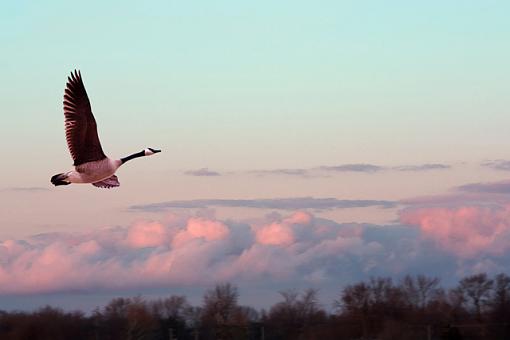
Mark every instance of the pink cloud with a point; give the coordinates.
(89, 247)
(299, 217)
(188, 250)
(206, 229)
(147, 234)
(179, 250)
(210, 230)
(466, 231)
(283, 232)
(279, 234)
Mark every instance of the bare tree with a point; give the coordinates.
(297, 316)
(117, 307)
(500, 300)
(171, 307)
(298, 306)
(386, 298)
(477, 289)
(220, 303)
(410, 289)
(221, 311)
(355, 299)
(427, 288)
(419, 290)
(141, 323)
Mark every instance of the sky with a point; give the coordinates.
(305, 144)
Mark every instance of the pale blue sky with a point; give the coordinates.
(264, 81)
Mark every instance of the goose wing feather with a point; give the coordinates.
(110, 182)
(80, 125)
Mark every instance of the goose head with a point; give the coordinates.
(150, 151)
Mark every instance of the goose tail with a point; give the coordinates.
(59, 179)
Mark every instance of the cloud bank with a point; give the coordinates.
(203, 172)
(471, 222)
(293, 203)
(498, 164)
(370, 168)
(298, 248)
(326, 170)
(502, 187)
(286, 172)
(422, 167)
(466, 231)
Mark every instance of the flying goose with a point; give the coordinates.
(90, 163)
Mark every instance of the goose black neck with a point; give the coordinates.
(130, 157)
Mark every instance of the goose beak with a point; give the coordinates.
(156, 151)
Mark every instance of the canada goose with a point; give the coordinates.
(90, 163)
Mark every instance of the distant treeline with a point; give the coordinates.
(416, 307)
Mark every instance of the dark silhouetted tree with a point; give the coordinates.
(477, 289)
(297, 316)
(500, 300)
(222, 314)
(419, 290)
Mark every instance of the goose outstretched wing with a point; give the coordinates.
(80, 125)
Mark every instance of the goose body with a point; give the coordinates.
(92, 172)
(91, 165)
